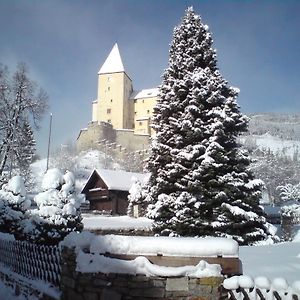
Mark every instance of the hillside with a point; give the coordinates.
(284, 126)
(81, 165)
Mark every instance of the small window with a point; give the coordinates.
(108, 110)
(108, 78)
(135, 112)
(109, 121)
(148, 111)
(108, 88)
(140, 123)
(134, 100)
(143, 101)
(111, 100)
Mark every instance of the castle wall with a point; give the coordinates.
(131, 141)
(97, 131)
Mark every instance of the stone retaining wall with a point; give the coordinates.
(96, 286)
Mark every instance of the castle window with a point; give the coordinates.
(108, 110)
(148, 111)
(111, 100)
(108, 88)
(140, 123)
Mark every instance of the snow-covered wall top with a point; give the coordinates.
(167, 246)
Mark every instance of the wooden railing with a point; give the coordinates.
(245, 288)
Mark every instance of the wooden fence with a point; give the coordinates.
(245, 288)
(32, 261)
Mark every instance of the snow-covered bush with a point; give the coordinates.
(58, 209)
(290, 192)
(136, 198)
(13, 206)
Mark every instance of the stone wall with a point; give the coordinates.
(96, 286)
(131, 141)
(95, 132)
(91, 137)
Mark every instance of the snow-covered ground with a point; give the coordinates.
(272, 261)
(8, 293)
(109, 222)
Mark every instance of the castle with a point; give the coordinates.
(121, 116)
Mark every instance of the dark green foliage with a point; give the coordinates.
(200, 183)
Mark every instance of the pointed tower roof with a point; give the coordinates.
(113, 62)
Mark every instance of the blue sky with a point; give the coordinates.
(65, 42)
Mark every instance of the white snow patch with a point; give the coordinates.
(167, 246)
(6, 237)
(91, 263)
(52, 179)
(16, 186)
(109, 222)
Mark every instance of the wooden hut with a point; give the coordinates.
(107, 190)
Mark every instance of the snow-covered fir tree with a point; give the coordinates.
(24, 151)
(200, 184)
(58, 211)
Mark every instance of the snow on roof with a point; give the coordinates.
(146, 93)
(142, 118)
(113, 62)
(117, 179)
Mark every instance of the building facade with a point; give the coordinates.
(120, 114)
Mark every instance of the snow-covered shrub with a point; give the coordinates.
(136, 198)
(290, 211)
(58, 209)
(13, 206)
(290, 192)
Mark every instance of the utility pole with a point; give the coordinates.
(49, 141)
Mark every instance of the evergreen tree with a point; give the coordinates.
(200, 184)
(24, 150)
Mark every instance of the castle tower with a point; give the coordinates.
(113, 104)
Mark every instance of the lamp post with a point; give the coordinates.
(49, 141)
